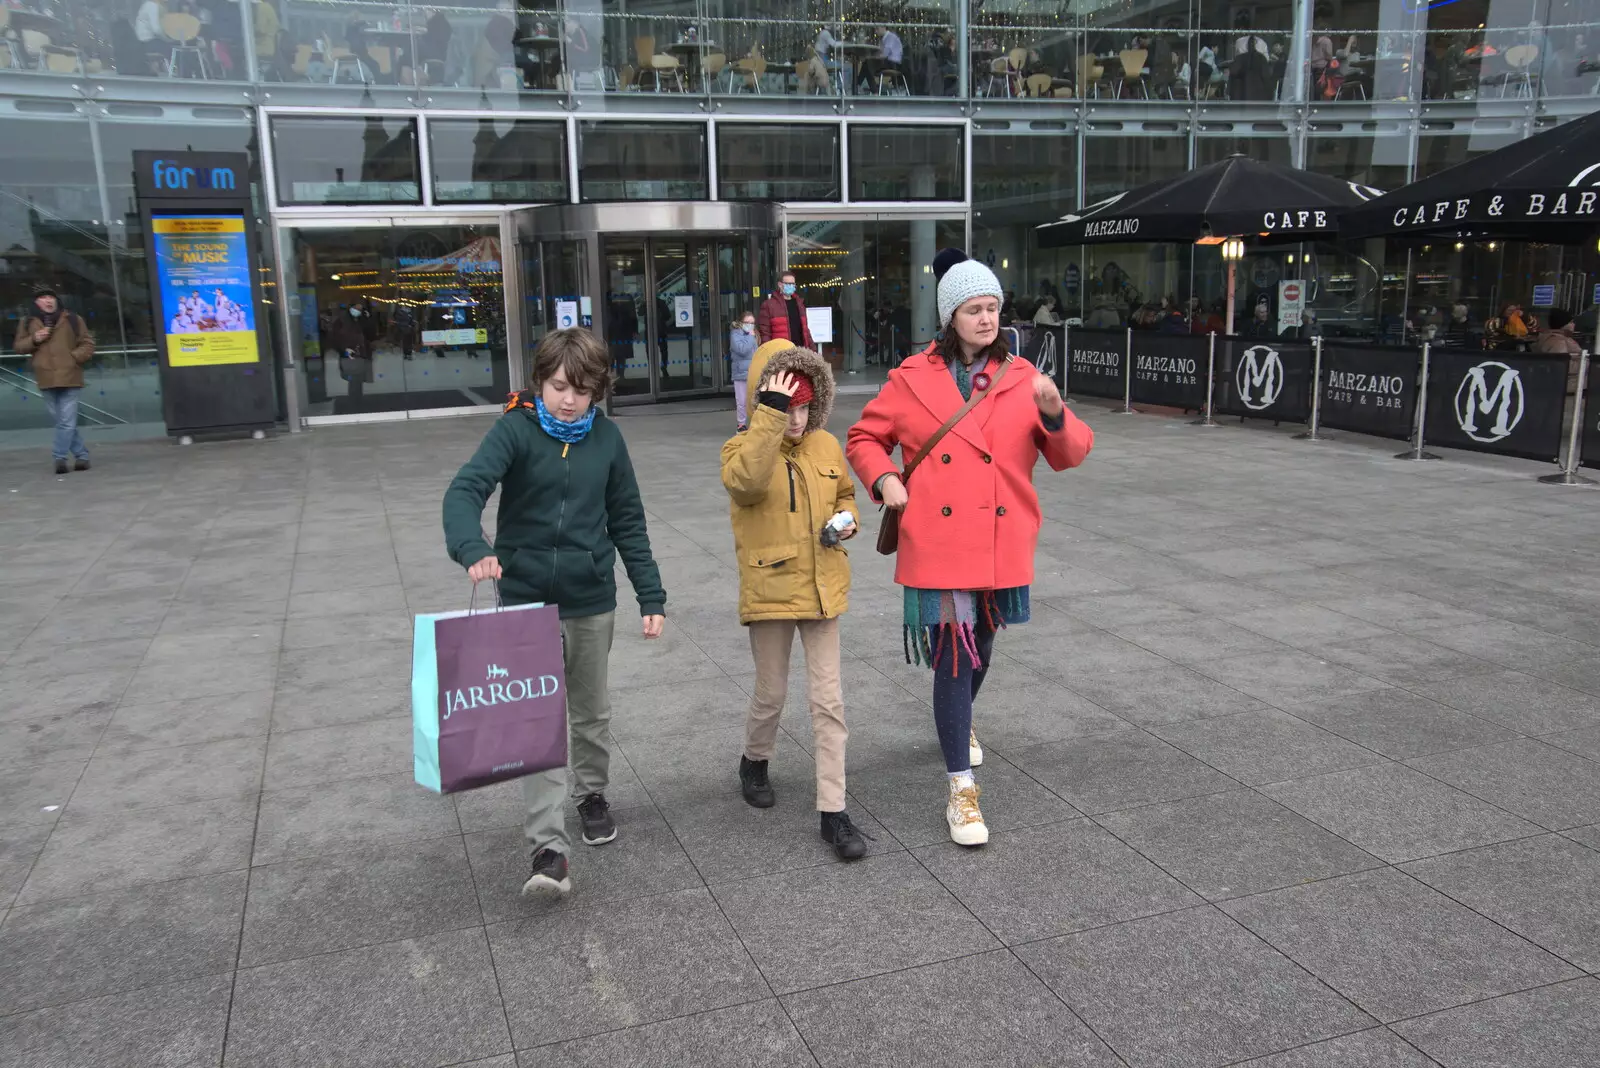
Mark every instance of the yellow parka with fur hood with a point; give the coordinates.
(783, 493)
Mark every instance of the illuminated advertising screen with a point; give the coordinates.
(204, 274)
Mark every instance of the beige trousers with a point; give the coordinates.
(770, 643)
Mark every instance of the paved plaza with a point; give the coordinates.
(1297, 766)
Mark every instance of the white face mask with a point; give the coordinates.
(748, 328)
(355, 313)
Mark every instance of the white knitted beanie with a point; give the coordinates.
(967, 279)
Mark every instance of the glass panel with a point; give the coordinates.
(799, 161)
(642, 161)
(534, 323)
(400, 319)
(498, 160)
(627, 331)
(906, 162)
(1367, 52)
(1138, 53)
(72, 38)
(53, 230)
(1019, 181)
(1013, 45)
(877, 277)
(355, 45)
(1379, 161)
(345, 161)
(683, 358)
(1212, 149)
(1436, 152)
(1115, 164)
(1248, 48)
(734, 298)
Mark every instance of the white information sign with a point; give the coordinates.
(820, 323)
(683, 312)
(1291, 305)
(566, 314)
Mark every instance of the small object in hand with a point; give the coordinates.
(838, 524)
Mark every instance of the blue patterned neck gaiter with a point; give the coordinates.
(566, 432)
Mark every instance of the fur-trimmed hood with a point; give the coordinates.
(779, 355)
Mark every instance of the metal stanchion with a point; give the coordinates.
(1066, 364)
(1416, 451)
(1313, 427)
(1568, 475)
(1127, 379)
(1211, 381)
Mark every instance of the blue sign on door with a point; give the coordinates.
(1544, 296)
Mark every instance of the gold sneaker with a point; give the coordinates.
(974, 750)
(963, 815)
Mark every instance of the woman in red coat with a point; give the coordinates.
(970, 518)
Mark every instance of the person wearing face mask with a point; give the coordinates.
(348, 338)
(783, 315)
(969, 515)
(742, 344)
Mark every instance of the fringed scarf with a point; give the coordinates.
(936, 620)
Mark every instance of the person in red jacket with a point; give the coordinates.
(783, 315)
(970, 518)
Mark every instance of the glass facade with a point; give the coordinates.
(974, 121)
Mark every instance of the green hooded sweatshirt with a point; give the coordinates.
(566, 513)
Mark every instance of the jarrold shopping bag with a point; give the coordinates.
(488, 696)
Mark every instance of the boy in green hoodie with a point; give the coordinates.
(569, 506)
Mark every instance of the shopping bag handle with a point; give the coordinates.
(472, 601)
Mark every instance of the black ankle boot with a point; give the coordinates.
(845, 837)
(753, 782)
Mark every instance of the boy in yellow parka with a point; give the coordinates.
(793, 503)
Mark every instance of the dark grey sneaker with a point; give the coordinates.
(845, 837)
(61, 467)
(549, 877)
(81, 465)
(598, 826)
(753, 782)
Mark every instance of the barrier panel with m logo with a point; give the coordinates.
(1500, 402)
(1264, 379)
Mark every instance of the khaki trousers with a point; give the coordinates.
(585, 654)
(771, 641)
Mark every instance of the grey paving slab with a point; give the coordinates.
(1581, 674)
(1232, 844)
(1264, 746)
(330, 818)
(1396, 813)
(1169, 693)
(178, 1024)
(1542, 888)
(383, 893)
(906, 792)
(106, 943)
(1539, 782)
(1198, 641)
(717, 703)
(327, 754)
(117, 850)
(1119, 771)
(1289, 676)
(155, 778)
(1395, 947)
(728, 840)
(166, 724)
(1400, 724)
(686, 767)
(752, 1035)
(1523, 703)
(577, 972)
(1510, 644)
(988, 1007)
(1553, 1027)
(1188, 990)
(1019, 708)
(1585, 741)
(38, 795)
(20, 845)
(1128, 608)
(1305, 625)
(645, 858)
(423, 1001)
(1035, 883)
(1375, 1048)
(52, 737)
(846, 921)
(1404, 659)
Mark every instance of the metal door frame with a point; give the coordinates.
(695, 223)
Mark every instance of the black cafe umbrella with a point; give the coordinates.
(1237, 196)
(1544, 188)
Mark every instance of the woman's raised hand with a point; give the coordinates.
(1047, 396)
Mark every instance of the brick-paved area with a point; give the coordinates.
(1299, 760)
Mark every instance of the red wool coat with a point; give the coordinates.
(973, 518)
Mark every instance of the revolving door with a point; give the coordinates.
(660, 283)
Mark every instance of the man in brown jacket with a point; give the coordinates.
(60, 345)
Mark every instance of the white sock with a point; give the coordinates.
(960, 778)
